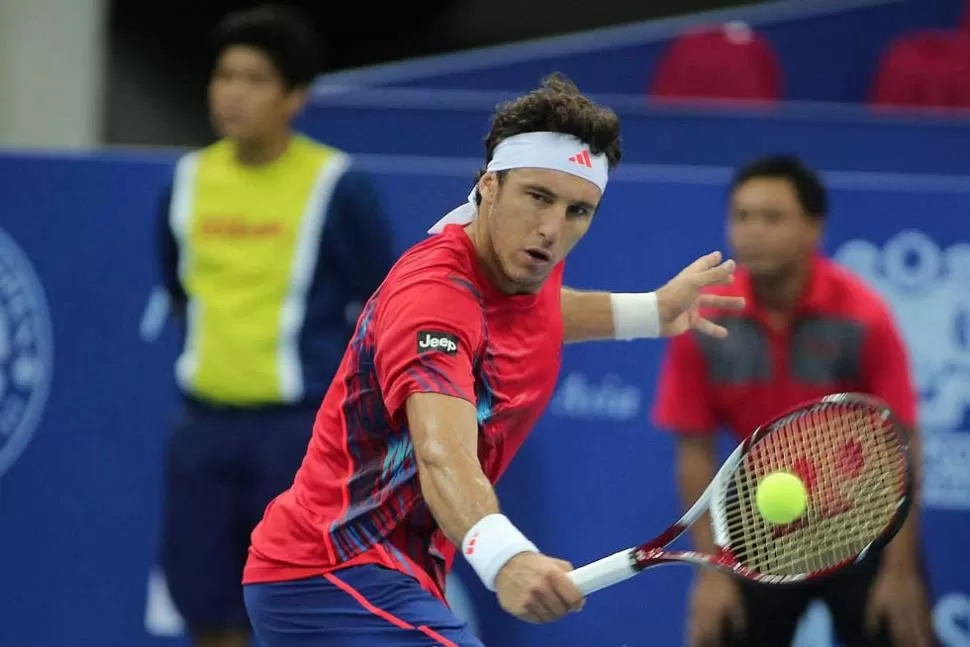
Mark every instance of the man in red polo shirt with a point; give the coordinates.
(809, 329)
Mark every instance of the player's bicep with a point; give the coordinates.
(697, 445)
(442, 427)
(427, 343)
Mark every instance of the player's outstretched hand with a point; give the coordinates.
(680, 301)
(534, 588)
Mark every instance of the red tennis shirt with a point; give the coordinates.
(436, 325)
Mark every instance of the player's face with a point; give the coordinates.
(768, 229)
(248, 99)
(535, 217)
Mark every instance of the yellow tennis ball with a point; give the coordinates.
(781, 497)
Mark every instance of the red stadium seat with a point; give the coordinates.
(730, 62)
(927, 69)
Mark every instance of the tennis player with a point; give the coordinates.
(454, 358)
(809, 329)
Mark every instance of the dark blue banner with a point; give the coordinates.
(86, 394)
(454, 124)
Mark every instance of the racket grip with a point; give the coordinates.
(603, 572)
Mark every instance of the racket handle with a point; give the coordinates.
(603, 572)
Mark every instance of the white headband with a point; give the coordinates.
(555, 151)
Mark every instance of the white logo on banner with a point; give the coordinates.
(815, 627)
(951, 620)
(26, 351)
(928, 289)
(610, 398)
(162, 619)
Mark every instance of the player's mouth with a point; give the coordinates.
(229, 116)
(538, 255)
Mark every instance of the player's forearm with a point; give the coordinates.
(586, 316)
(591, 316)
(903, 551)
(457, 493)
(696, 465)
(465, 506)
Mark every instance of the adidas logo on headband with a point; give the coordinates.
(545, 150)
(582, 158)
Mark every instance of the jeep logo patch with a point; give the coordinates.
(435, 340)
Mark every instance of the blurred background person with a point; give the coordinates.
(810, 328)
(269, 242)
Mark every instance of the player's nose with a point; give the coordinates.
(551, 224)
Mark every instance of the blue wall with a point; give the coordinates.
(454, 124)
(78, 508)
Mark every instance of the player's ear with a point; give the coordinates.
(295, 101)
(811, 231)
(816, 227)
(488, 186)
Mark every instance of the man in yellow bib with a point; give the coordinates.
(269, 242)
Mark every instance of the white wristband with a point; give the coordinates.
(635, 316)
(491, 543)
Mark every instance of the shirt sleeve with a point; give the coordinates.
(427, 341)
(358, 236)
(168, 253)
(683, 403)
(886, 371)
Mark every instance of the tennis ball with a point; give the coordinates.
(781, 497)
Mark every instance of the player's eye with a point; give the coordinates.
(771, 216)
(539, 197)
(257, 78)
(578, 212)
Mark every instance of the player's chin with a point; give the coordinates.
(235, 129)
(527, 279)
(760, 268)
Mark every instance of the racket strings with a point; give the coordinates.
(853, 464)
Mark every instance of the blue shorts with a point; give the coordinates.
(359, 606)
(222, 468)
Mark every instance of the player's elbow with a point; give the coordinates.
(432, 454)
(443, 429)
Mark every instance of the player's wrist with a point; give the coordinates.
(900, 557)
(635, 315)
(491, 544)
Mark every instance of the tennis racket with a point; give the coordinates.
(853, 456)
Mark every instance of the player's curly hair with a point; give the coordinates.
(556, 106)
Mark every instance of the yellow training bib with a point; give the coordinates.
(248, 244)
